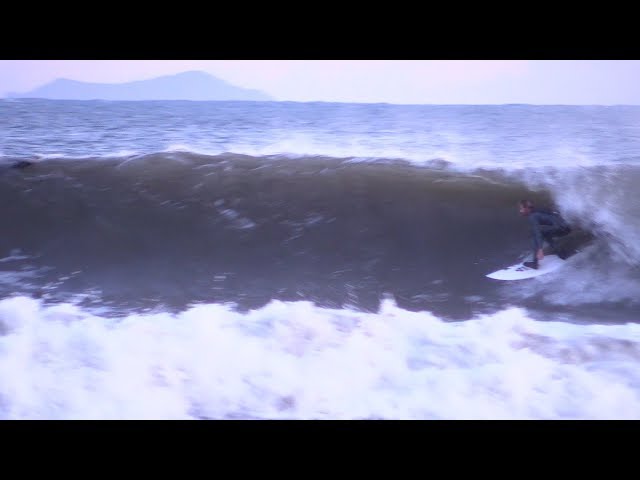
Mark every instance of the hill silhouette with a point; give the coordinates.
(191, 85)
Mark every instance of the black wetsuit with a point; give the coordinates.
(546, 224)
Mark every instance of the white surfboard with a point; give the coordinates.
(519, 272)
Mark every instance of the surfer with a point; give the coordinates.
(545, 224)
(22, 164)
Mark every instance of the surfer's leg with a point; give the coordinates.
(548, 233)
(550, 241)
(534, 260)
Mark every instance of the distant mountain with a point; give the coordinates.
(183, 86)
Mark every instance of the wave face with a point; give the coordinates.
(178, 228)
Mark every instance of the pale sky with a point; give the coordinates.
(569, 82)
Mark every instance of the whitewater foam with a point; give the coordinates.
(295, 360)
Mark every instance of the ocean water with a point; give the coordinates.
(281, 260)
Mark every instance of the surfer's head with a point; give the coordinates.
(526, 206)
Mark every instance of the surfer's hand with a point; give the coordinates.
(540, 254)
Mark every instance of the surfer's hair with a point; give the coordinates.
(526, 203)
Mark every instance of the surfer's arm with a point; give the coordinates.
(535, 233)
